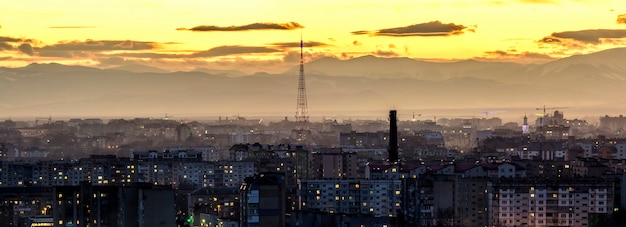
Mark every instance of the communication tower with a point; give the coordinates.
(302, 119)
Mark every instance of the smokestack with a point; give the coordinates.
(393, 137)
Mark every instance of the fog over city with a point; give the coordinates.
(364, 87)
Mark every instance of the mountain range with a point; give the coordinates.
(591, 84)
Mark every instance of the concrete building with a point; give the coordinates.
(549, 202)
(136, 205)
(376, 198)
(263, 201)
(334, 163)
(23, 206)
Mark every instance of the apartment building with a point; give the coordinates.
(378, 198)
(549, 202)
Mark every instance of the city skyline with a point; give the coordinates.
(262, 36)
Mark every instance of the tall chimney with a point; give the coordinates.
(393, 137)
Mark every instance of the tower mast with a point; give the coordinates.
(302, 118)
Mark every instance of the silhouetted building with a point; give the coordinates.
(263, 201)
(334, 163)
(135, 205)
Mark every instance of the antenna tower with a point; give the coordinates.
(302, 118)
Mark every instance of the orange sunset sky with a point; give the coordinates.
(263, 35)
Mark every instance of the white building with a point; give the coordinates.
(571, 202)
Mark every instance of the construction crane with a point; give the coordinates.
(487, 112)
(37, 119)
(466, 118)
(454, 117)
(414, 119)
(544, 108)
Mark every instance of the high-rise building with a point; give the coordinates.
(550, 202)
(263, 200)
(133, 205)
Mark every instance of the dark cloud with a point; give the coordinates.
(88, 47)
(515, 56)
(297, 44)
(5, 46)
(621, 19)
(513, 53)
(392, 46)
(100, 45)
(294, 56)
(254, 26)
(213, 52)
(594, 36)
(26, 48)
(9, 39)
(233, 50)
(6, 43)
(63, 27)
(150, 55)
(384, 53)
(549, 40)
(356, 43)
(112, 61)
(433, 28)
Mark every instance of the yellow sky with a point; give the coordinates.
(522, 30)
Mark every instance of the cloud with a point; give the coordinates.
(293, 57)
(392, 46)
(213, 52)
(513, 53)
(356, 43)
(6, 43)
(621, 19)
(594, 36)
(5, 46)
(233, 50)
(297, 44)
(88, 47)
(150, 55)
(100, 45)
(539, 1)
(549, 40)
(63, 27)
(254, 26)
(385, 53)
(433, 28)
(9, 39)
(26, 48)
(515, 56)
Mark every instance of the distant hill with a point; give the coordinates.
(376, 67)
(361, 85)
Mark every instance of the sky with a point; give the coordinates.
(264, 35)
